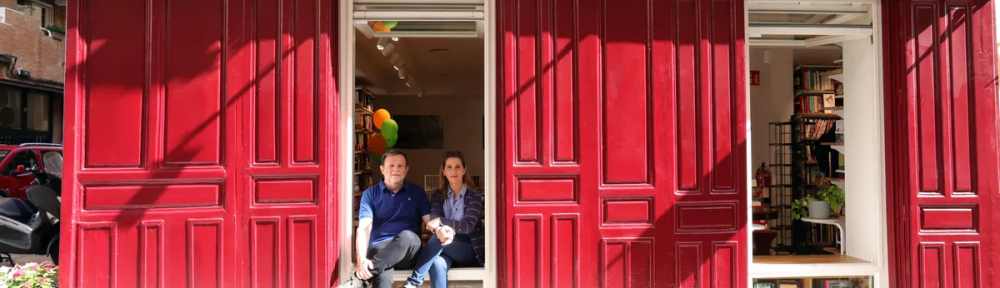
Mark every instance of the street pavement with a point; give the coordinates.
(26, 258)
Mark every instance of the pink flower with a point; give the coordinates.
(43, 279)
(17, 273)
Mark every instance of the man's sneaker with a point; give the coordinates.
(352, 282)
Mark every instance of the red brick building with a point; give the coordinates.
(32, 70)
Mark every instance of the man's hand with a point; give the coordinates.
(363, 270)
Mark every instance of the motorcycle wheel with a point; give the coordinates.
(54, 254)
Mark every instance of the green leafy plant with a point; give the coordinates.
(833, 195)
(31, 275)
(55, 28)
(800, 207)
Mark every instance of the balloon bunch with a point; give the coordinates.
(378, 143)
(382, 26)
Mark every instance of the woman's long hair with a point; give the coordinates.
(443, 180)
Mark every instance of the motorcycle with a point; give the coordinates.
(34, 229)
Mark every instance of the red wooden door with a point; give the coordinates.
(201, 148)
(942, 143)
(624, 144)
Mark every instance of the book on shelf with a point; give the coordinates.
(820, 128)
(813, 79)
(815, 103)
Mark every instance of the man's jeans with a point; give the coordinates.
(437, 260)
(400, 252)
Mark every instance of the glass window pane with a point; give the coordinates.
(38, 112)
(10, 108)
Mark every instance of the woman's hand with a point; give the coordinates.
(445, 234)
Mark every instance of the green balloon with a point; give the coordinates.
(391, 142)
(389, 129)
(389, 24)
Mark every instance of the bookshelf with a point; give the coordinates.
(814, 126)
(364, 126)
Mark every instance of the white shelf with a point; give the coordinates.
(839, 77)
(840, 149)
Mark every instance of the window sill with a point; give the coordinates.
(811, 266)
(454, 274)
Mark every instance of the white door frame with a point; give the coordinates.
(345, 215)
(879, 268)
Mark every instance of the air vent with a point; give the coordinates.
(431, 182)
(427, 18)
(432, 29)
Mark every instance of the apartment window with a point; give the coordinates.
(39, 111)
(10, 107)
(39, 10)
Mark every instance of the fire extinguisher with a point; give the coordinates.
(763, 176)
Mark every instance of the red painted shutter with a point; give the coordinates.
(193, 155)
(942, 143)
(624, 161)
(289, 143)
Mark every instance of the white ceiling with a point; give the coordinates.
(441, 66)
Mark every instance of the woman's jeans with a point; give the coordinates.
(436, 260)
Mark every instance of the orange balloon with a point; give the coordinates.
(377, 144)
(380, 116)
(379, 27)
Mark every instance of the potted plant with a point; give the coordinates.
(56, 32)
(799, 207)
(31, 275)
(834, 197)
(830, 198)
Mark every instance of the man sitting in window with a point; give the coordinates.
(389, 220)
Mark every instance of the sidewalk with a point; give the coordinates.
(26, 258)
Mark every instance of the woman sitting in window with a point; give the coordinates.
(456, 211)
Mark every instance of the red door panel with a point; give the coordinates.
(946, 112)
(623, 144)
(288, 176)
(161, 171)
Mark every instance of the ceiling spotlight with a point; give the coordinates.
(396, 60)
(381, 43)
(388, 49)
(395, 38)
(402, 74)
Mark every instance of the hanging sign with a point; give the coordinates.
(755, 78)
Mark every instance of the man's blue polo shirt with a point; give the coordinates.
(391, 213)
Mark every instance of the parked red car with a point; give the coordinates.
(17, 163)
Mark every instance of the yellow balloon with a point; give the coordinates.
(380, 116)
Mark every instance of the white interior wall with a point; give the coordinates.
(463, 131)
(863, 136)
(772, 100)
